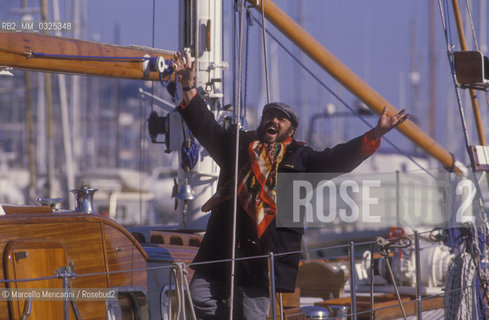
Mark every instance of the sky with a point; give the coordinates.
(380, 40)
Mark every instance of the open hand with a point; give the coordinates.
(387, 123)
(184, 69)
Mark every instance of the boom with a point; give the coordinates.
(36, 51)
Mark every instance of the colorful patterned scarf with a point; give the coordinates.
(257, 188)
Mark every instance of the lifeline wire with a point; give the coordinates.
(219, 261)
(169, 266)
(341, 100)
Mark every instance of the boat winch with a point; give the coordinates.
(84, 199)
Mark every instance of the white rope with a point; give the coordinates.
(187, 291)
(179, 273)
(173, 275)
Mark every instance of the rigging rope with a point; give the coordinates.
(474, 272)
(153, 44)
(304, 67)
(461, 111)
(452, 70)
(235, 81)
(476, 44)
(265, 55)
(143, 141)
(237, 113)
(179, 273)
(245, 89)
(472, 25)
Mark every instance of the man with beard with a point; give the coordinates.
(262, 154)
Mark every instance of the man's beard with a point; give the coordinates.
(280, 136)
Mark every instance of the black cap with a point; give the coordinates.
(288, 111)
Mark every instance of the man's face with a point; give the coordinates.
(274, 127)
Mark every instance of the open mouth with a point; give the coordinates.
(271, 129)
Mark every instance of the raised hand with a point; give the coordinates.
(184, 69)
(387, 123)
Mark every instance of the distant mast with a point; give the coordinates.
(414, 74)
(432, 68)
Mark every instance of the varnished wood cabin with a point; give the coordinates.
(36, 242)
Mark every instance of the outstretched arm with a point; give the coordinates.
(387, 123)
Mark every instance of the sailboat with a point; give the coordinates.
(133, 269)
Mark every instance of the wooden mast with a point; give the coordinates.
(15, 48)
(350, 80)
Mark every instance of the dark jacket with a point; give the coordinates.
(216, 245)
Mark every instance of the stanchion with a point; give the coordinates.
(271, 268)
(372, 275)
(353, 282)
(66, 273)
(418, 275)
(384, 247)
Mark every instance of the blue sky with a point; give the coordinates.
(378, 39)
